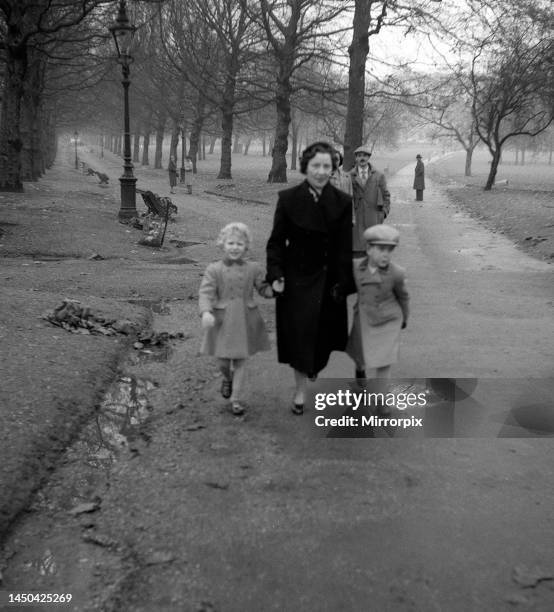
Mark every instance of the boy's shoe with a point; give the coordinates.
(226, 387)
(360, 375)
(237, 408)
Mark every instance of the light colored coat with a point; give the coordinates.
(371, 204)
(227, 291)
(341, 180)
(381, 308)
(382, 295)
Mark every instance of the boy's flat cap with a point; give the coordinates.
(382, 234)
(363, 149)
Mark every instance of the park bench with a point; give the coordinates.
(104, 178)
(157, 205)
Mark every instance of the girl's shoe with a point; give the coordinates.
(237, 408)
(297, 409)
(226, 387)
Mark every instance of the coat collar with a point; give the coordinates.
(233, 262)
(365, 274)
(312, 215)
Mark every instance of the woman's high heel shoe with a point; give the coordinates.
(297, 408)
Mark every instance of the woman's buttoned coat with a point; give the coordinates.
(311, 248)
(227, 291)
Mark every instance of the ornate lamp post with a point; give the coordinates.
(75, 139)
(123, 32)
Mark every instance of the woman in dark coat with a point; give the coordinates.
(309, 263)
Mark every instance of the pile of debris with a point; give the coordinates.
(82, 320)
(157, 339)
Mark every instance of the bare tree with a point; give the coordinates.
(29, 25)
(512, 71)
(295, 32)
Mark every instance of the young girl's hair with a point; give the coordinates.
(236, 227)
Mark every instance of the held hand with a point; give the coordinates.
(208, 320)
(278, 286)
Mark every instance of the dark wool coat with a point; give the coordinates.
(419, 178)
(311, 248)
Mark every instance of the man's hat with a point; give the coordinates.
(382, 234)
(418, 155)
(363, 149)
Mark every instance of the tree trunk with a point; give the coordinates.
(294, 148)
(493, 170)
(263, 145)
(247, 145)
(159, 143)
(278, 172)
(523, 156)
(469, 156)
(10, 123)
(358, 52)
(136, 145)
(174, 141)
(213, 140)
(516, 161)
(226, 138)
(227, 116)
(195, 133)
(146, 146)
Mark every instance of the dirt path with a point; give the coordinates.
(201, 511)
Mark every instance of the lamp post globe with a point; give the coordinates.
(123, 33)
(75, 140)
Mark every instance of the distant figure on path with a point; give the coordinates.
(371, 198)
(419, 179)
(309, 263)
(172, 169)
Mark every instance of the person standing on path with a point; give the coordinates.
(371, 199)
(309, 263)
(381, 310)
(234, 329)
(172, 170)
(419, 178)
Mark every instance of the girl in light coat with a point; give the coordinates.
(233, 327)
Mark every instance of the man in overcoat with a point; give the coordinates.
(370, 198)
(419, 179)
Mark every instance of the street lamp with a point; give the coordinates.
(123, 33)
(75, 139)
